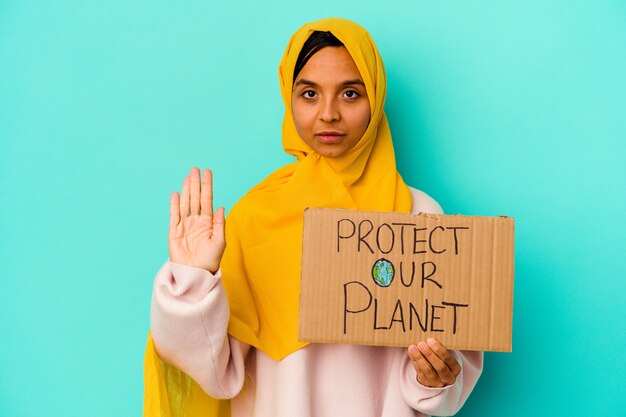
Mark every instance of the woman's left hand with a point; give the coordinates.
(435, 366)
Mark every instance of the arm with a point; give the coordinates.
(435, 380)
(189, 317)
(190, 312)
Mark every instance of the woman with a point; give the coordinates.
(231, 323)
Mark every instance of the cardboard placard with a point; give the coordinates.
(392, 279)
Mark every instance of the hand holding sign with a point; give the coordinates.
(434, 365)
(196, 235)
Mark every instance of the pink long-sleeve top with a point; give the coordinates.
(189, 320)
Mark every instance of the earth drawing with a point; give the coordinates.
(383, 272)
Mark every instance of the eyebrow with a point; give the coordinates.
(343, 84)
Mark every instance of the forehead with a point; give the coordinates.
(330, 63)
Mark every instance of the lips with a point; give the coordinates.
(330, 136)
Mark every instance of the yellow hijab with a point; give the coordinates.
(261, 265)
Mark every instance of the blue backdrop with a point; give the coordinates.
(496, 107)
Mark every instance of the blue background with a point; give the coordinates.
(496, 107)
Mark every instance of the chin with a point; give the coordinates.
(330, 153)
(331, 150)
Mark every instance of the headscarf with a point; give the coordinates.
(261, 264)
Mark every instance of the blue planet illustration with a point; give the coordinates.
(383, 272)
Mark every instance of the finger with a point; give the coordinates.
(174, 209)
(444, 354)
(426, 375)
(184, 199)
(218, 225)
(194, 190)
(443, 372)
(423, 380)
(206, 198)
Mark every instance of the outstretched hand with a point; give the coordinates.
(435, 366)
(196, 234)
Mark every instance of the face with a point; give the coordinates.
(329, 102)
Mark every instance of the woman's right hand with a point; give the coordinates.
(196, 235)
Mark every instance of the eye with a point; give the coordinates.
(351, 94)
(309, 94)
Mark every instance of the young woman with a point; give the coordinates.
(228, 318)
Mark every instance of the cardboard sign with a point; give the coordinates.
(395, 279)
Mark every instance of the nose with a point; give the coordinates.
(329, 110)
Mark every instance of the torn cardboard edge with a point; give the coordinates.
(393, 279)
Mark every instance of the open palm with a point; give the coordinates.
(196, 234)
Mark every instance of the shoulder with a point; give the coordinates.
(423, 203)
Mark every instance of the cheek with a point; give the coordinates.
(301, 118)
(362, 118)
(296, 117)
(295, 113)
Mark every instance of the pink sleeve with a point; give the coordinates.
(445, 401)
(189, 319)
